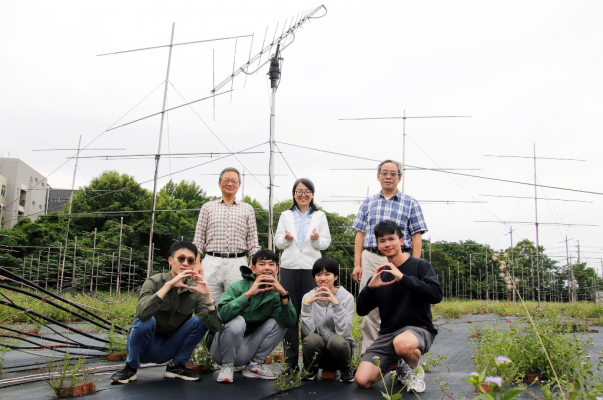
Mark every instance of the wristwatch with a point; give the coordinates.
(285, 296)
(213, 303)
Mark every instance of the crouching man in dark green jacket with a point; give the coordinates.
(165, 328)
(256, 312)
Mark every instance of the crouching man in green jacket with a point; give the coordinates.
(165, 328)
(257, 312)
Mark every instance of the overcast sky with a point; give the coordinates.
(528, 73)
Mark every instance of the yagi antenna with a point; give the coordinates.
(282, 42)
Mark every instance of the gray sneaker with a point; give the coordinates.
(404, 373)
(417, 383)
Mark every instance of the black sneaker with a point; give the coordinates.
(124, 375)
(180, 371)
(310, 374)
(346, 374)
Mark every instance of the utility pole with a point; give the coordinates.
(158, 155)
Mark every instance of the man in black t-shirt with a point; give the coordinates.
(403, 290)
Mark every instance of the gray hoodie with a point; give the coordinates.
(328, 319)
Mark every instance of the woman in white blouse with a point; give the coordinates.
(302, 233)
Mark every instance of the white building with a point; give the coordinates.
(22, 192)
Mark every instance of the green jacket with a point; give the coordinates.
(175, 308)
(258, 309)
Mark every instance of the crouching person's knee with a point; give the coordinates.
(366, 375)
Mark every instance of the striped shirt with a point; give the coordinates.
(302, 223)
(226, 228)
(401, 208)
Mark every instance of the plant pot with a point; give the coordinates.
(115, 357)
(30, 331)
(91, 387)
(78, 390)
(197, 368)
(473, 335)
(268, 360)
(328, 375)
(486, 388)
(530, 377)
(279, 357)
(593, 330)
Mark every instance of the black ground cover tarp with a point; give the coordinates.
(452, 342)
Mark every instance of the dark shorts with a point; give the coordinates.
(383, 347)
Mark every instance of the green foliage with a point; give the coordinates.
(521, 344)
(3, 351)
(496, 383)
(285, 380)
(432, 361)
(117, 342)
(201, 356)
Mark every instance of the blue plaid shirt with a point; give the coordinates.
(401, 208)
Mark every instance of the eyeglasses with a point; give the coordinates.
(306, 192)
(227, 181)
(182, 259)
(392, 174)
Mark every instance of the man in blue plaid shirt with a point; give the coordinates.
(389, 204)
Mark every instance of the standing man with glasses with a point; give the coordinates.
(389, 204)
(226, 229)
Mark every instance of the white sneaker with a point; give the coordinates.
(404, 373)
(260, 371)
(239, 369)
(225, 375)
(417, 383)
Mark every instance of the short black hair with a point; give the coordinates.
(264, 254)
(326, 264)
(307, 183)
(387, 228)
(183, 245)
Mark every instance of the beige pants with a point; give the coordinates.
(221, 272)
(372, 321)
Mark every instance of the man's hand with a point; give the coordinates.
(322, 294)
(288, 236)
(314, 235)
(178, 281)
(385, 269)
(202, 287)
(357, 273)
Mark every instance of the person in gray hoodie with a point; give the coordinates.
(327, 314)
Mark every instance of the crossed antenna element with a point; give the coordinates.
(404, 118)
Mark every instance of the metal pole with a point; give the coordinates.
(512, 262)
(97, 271)
(121, 224)
(73, 281)
(58, 265)
(158, 155)
(38, 272)
(470, 281)
(77, 157)
(130, 269)
(30, 266)
(487, 283)
(536, 224)
(47, 265)
(93, 253)
(403, 172)
(275, 75)
(111, 279)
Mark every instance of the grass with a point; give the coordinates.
(117, 310)
(582, 310)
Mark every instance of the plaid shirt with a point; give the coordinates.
(226, 228)
(406, 213)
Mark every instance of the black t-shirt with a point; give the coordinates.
(404, 303)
